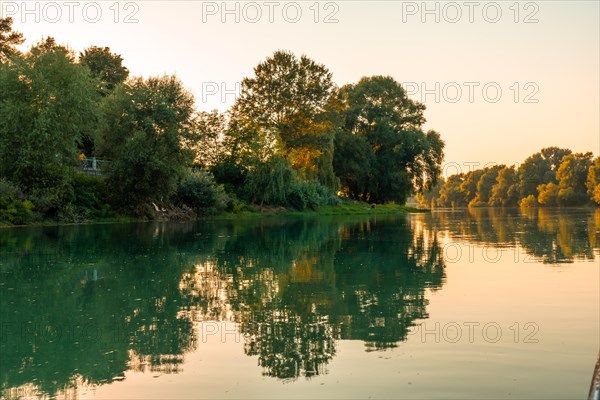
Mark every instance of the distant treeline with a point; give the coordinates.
(550, 177)
(292, 138)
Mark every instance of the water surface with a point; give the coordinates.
(482, 303)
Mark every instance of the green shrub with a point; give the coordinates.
(233, 204)
(199, 191)
(529, 201)
(310, 195)
(14, 207)
(89, 199)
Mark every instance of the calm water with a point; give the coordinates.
(465, 304)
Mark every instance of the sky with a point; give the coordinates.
(500, 80)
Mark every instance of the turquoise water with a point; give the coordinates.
(453, 304)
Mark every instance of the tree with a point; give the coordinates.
(47, 101)
(469, 185)
(211, 129)
(548, 194)
(404, 158)
(485, 184)
(352, 162)
(429, 197)
(540, 168)
(505, 191)
(554, 157)
(146, 123)
(107, 67)
(451, 194)
(288, 106)
(593, 181)
(8, 39)
(572, 175)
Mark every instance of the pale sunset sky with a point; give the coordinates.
(543, 56)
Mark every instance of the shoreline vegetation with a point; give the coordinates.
(552, 177)
(346, 209)
(81, 140)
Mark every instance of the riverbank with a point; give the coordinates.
(346, 208)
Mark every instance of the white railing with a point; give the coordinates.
(93, 166)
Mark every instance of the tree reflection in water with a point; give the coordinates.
(82, 305)
(296, 288)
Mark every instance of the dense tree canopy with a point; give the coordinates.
(208, 146)
(396, 156)
(47, 100)
(566, 180)
(146, 125)
(505, 191)
(107, 67)
(572, 176)
(593, 181)
(451, 194)
(286, 106)
(485, 185)
(540, 168)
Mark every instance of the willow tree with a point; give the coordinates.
(401, 157)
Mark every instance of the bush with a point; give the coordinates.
(311, 195)
(14, 207)
(199, 191)
(548, 194)
(89, 199)
(529, 201)
(233, 204)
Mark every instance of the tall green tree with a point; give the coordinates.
(353, 163)
(572, 175)
(540, 168)
(505, 191)
(451, 194)
(485, 185)
(288, 106)
(211, 130)
(146, 126)
(469, 185)
(109, 71)
(46, 102)
(106, 66)
(404, 158)
(8, 39)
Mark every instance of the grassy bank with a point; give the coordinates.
(346, 208)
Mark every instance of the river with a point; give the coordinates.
(481, 303)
